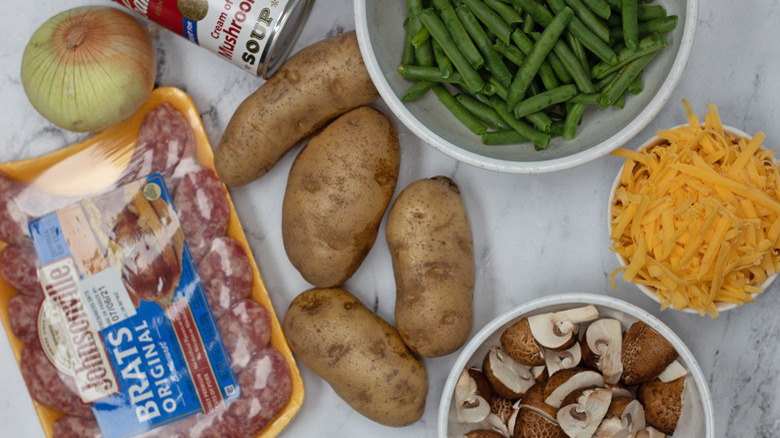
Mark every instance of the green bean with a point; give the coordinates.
(600, 8)
(500, 89)
(511, 53)
(414, 6)
(573, 117)
(528, 24)
(556, 129)
(539, 139)
(624, 78)
(459, 111)
(458, 33)
(441, 35)
(533, 62)
(620, 103)
(643, 12)
(421, 37)
(407, 56)
(540, 120)
(589, 19)
(636, 87)
(504, 10)
(587, 99)
(630, 23)
(482, 111)
(602, 83)
(522, 41)
(424, 53)
(573, 66)
(536, 12)
(558, 68)
(493, 62)
(490, 19)
(432, 74)
(660, 25)
(579, 51)
(625, 55)
(417, 90)
(547, 75)
(507, 136)
(442, 61)
(614, 20)
(544, 100)
(588, 39)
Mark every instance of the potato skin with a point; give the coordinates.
(429, 237)
(359, 354)
(339, 187)
(316, 84)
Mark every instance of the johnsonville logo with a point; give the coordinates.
(68, 336)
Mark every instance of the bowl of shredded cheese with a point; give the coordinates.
(694, 216)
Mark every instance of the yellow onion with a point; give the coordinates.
(88, 68)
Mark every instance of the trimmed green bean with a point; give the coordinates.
(535, 59)
(490, 19)
(505, 11)
(620, 103)
(544, 100)
(424, 73)
(528, 24)
(643, 12)
(630, 23)
(414, 6)
(500, 89)
(573, 117)
(587, 99)
(579, 51)
(511, 53)
(600, 8)
(482, 111)
(602, 83)
(507, 136)
(442, 61)
(459, 111)
(588, 39)
(558, 68)
(522, 41)
(493, 62)
(573, 66)
(547, 75)
(539, 139)
(540, 120)
(417, 90)
(556, 129)
(624, 78)
(588, 18)
(458, 33)
(659, 25)
(636, 87)
(407, 55)
(625, 55)
(421, 37)
(439, 32)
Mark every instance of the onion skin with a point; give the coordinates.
(88, 68)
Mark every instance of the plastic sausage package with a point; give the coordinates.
(128, 291)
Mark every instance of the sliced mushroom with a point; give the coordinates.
(663, 403)
(582, 411)
(650, 432)
(473, 409)
(564, 359)
(496, 425)
(645, 354)
(565, 382)
(484, 433)
(624, 418)
(620, 391)
(602, 346)
(534, 400)
(557, 331)
(531, 424)
(540, 373)
(674, 371)
(519, 343)
(507, 378)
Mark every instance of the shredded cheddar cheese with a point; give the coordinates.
(696, 216)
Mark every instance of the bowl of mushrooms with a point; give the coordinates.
(575, 365)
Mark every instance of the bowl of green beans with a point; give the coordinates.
(525, 86)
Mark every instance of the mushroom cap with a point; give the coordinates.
(564, 382)
(508, 378)
(520, 345)
(534, 398)
(531, 424)
(645, 354)
(483, 433)
(663, 403)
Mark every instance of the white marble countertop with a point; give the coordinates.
(534, 235)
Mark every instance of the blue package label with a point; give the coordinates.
(125, 313)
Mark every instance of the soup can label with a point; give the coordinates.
(241, 31)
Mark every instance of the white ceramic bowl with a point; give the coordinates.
(380, 34)
(650, 292)
(697, 417)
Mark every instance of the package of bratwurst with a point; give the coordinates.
(128, 291)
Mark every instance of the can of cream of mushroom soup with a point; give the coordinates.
(256, 35)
